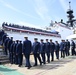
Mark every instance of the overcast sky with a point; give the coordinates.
(36, 13)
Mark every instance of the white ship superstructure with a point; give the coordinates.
(58, 31)
(62, 28)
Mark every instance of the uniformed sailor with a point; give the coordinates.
(65, 47)
(47, 50)
(68, 47)
(57, 49)
(27, 48)
(14, 52)
(16, 58)
(10, 41)
(73, 52)
(42, 51)
(4, 36)
(52, 49)
(62, 49)
(19, 53)
(36, 52)
(11, 52)
(5, 45)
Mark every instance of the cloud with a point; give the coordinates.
(42, 9)
(64, 4)
(17, 10)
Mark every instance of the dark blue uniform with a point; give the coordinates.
(73, 48)
(19, 53)
(62, 49)
(4, 37)
(14, 53)
(11, 53)
(68, 47)
(1, 35)
(52, 48)
(42, 51)
(10, 41)
(0, 42)
(27, 47)
(16, 58)
(36, 52)
(57, 50)
(47, 50)
(65, 47)
(5, 45)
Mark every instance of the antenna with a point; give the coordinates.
(69, 4)
(70, 16)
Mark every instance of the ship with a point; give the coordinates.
(55, 31)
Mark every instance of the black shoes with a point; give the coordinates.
(29, 67)
(48, 61)
(19, 66)
(52, 60)
(35, 65)
(26, 66)
(44, 63)
(40, 63)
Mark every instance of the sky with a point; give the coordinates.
(34, 13)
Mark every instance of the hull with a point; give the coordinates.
(20, 36)
(18, 33)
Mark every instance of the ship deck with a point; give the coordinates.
(66, 66)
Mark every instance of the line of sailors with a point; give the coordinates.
(40, 50)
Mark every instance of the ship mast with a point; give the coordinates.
(70, 16)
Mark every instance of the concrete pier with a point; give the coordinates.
(64, 66)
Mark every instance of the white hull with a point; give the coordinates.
(20, 36)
